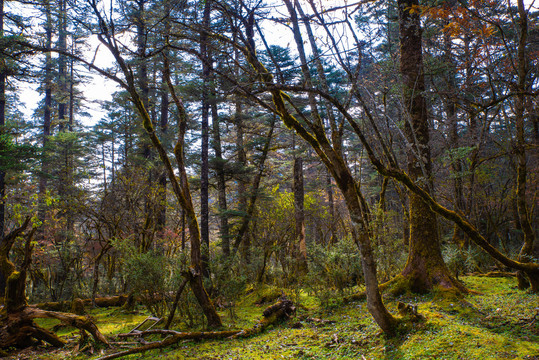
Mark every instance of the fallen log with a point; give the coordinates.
(108, 301)
(280, 311)
(494, 274)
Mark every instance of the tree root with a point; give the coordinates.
(281, 310)
(19, 329)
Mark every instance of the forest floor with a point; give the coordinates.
(497, 321)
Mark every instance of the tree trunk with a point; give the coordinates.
(161, 216)
(334, 161)
(425, 267)
(526, 252)
(331, 208)
(450, 104)
(2, 124)
(241, 238)
(300, 246)
(161, 219)
(252, 195)
(204, 167)
(221, 183)
(18, 328)
(354, 202)
(47, 108)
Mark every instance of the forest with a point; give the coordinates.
(269, 179)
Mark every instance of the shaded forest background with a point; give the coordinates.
(388, 142)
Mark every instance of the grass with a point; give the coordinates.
(484, 325)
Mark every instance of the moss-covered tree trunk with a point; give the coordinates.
(356, 207)
(17, 326)
(526, 252)
(425, 267)
(3, 74)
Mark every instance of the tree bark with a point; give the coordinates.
(526, 251)
(47, 108)
(221, 182)
(204, 167)
(161, 218)
(425, 267)
(299, 197)
(241, 239)
(3, 75)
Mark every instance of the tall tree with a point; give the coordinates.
(300, 245)
(521, 88)
(205, 57)
(3, 75)
(179, 186)
(425, 267)
(47, 109)
(313, 132)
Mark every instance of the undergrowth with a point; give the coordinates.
(495, 322)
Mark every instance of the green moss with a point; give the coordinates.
(477, 326)
(398, 286)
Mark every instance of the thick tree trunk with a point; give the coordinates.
(526, 252)
(425, 267)
(19, 329)
(2, 173)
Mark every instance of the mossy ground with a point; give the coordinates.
(483, 325)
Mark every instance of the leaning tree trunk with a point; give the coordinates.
(425, 267)
(354, 202)
(180, 186)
